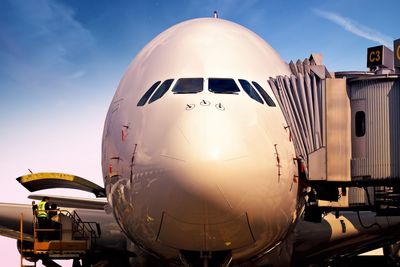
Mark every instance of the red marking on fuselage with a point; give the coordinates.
(278, 162)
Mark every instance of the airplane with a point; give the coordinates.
(199, 168)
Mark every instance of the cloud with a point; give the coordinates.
(78, 74)
(43, 42)
(355, 28)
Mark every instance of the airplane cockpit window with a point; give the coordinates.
(147, 95)
(250, 90)
(265, 95)
(188, 86)
(222, 86)
(161, 90)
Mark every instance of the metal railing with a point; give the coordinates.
(84, 228)
(81, 230)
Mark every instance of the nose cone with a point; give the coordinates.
(210, 153)
(208, 134)
(210, 157)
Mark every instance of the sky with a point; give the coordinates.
(61, 61)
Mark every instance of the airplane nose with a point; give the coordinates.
(207, 157)
(209, 135)
(209, 153)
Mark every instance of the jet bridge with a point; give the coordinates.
(317, 110)
(345, 131)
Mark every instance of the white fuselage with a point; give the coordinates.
(201, 171)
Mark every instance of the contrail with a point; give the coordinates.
(356, 28)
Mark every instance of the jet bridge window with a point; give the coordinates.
(147, 95)
(265, 95)
(188, 86)
(360, 123)
(161, 90)
(250, 90)
(222, 86)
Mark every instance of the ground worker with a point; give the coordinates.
(42, 216)
(34, 208)
(54, 221)
(53, 211)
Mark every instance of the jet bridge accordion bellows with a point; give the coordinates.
(300, 97)
(314, 104)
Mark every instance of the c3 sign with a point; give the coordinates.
(396, 47)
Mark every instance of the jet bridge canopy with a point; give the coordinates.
(51, 180)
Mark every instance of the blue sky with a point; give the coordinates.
(61, 61)
(72, 50)
(54, 52)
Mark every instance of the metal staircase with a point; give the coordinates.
(84, 230)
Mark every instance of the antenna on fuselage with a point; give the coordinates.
(215, 14)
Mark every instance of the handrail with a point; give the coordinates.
(21, 230)
(86, 227)
(83, 227)
(80, 229)
(43, 230)
(50, 245)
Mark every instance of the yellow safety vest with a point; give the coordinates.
(41, 210)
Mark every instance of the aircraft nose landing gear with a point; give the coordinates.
(206, 258)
